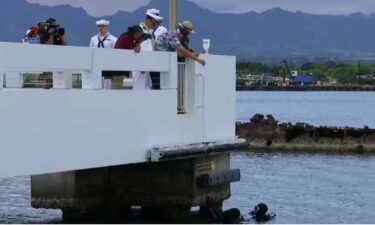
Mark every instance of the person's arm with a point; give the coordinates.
(63, 41)
(51, 37)
(182, 52)
(46, 39)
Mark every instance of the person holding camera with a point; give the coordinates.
(51, 33)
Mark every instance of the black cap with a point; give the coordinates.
(136, 29)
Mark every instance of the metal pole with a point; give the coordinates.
(172, 14)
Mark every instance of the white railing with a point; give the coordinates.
(108, 128)
(63, 61)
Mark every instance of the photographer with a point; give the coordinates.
(51, 33)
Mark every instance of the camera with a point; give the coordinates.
(50, 25)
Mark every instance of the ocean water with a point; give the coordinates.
(299, 188)
(355, 109)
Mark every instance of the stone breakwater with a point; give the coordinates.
(266, 133)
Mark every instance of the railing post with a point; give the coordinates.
(168, 80)
(13, 79)
(92, 79)
(2, 74)
(62, 80)
(181, 107)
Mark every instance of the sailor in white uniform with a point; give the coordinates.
(160, 29)
(104, 40)
(157, 31)
(151, 26)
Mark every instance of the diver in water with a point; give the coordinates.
(232, 216)
(259, 214)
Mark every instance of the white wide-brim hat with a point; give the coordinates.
(154, 14)
(102, 23)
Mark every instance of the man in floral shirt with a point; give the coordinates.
(171, 42)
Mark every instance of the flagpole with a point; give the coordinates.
(172, 14)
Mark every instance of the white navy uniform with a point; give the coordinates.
(142, 79)
(98, 41)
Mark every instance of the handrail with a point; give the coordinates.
(88, 61)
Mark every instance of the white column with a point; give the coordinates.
(168, 80)
(62, 80)
(92, 79)
(2, 74)
(13, 79)
(107, 84)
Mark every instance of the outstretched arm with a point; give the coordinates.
(182, 52)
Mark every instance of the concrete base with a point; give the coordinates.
(164, 185)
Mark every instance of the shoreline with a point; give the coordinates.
(266, 134)
(309, 88)
(337, 149)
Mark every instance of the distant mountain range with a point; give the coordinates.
(273, 33)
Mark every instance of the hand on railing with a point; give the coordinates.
(201, 61)
(137, 49)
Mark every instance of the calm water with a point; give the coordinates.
(355, 109)
(298, 188)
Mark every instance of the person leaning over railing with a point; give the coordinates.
(130, 40)
(154, 27)
(142, 79)
(171, 41)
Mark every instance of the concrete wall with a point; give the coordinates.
(170, 183)
(46, 131)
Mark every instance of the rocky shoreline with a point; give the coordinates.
(266, 133)
(307, 88)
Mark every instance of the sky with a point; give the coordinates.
(331, 7)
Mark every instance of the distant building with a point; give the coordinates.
(305, 80)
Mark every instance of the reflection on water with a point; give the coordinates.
(307, 188)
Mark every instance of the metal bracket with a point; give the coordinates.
(217, 178)
(155, 155)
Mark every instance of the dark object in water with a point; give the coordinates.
(260, 213)
(232, 216)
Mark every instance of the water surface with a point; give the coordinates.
(298, 188)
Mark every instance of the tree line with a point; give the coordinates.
(342, 73)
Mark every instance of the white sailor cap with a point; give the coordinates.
(154, 14)
(102, 23)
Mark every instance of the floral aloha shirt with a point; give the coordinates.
(167, 42)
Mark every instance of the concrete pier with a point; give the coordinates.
(168, 186)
